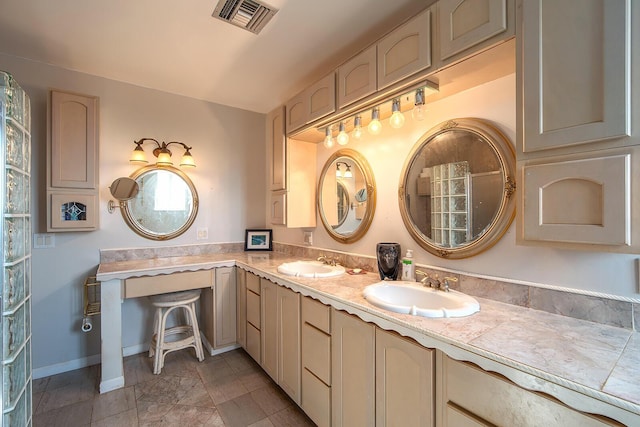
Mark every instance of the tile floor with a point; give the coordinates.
(229, 390)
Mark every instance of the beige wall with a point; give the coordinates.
(495, 101)
(228, 146)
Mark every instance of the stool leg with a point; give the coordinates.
(154, 334)
(196, 332)
(158, 363)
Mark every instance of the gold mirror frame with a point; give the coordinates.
(361, 163)
(135, 223)
(505, 212)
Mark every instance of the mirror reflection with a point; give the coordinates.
(346, 196)
(165, 205)
(456, 188)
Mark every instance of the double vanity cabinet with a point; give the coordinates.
(344, 371)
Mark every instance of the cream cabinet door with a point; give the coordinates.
(254, 343)
(405, 51)
(321, 98)
(241, 312)
(301, 197)
(404, 382)
(357, 78)
(225, 297)
(575, 72)
(297, 113)
(276, 149)
(464, 24)
(269, 327)
(353, 371)
(289, 342)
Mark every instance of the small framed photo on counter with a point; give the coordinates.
(258, 240)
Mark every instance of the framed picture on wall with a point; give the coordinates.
(258, 240)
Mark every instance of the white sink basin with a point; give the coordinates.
(310, 269)
(413, 298)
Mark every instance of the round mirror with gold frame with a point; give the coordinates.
(346, 196)
(456, 188)
(166, 203)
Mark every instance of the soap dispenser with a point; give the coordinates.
(408, 268)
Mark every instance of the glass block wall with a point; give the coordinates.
(15, 155)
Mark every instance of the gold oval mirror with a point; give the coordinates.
(456, 189)
(346, 196)
(166, 204)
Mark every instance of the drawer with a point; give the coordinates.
(253, 342)
(253, 309)
(143, 286)
(316, 352)
(253, 283)
(317, 314)
(316, 399)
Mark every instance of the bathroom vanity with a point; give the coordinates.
(549, 365)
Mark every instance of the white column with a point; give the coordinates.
(112, 376)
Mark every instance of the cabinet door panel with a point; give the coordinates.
(253, 342)
(317, 314)
(353, 371)
(269, 327)
(276, 149)
(321, 98)
(241, 314)
(404, 382)
(316, 399)
(253, 309)
(225, 294)
(316, 352)
(357, 77)
(405, 50)
(576, 83)
(296, 112)
(289, 342)
(466, 23)
(579, 201)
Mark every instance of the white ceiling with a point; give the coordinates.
(178, 47)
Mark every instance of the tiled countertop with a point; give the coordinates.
(597, 361)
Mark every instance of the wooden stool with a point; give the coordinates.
(177, 337)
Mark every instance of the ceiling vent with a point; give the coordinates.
(248, 14)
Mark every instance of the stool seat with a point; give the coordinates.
(165, 340)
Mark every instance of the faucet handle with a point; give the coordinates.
(446, 282)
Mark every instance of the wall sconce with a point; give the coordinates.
(328, 140)
(375, 127)
(162, 152)
(343, 137)
(347, 173)
(397, 118)
(357, 128)
(418, 112)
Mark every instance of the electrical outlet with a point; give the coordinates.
(44, 241)
(637, 261)
(308, 238)
(202, 234)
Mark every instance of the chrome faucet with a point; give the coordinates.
(326, 260)
(435, 282)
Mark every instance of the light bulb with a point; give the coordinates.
(357, 128)
(328, 140)
(419, 110)
(343, 137)
(347, 173)
(375, 127)
(397, 118)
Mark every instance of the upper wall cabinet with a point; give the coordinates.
(276, 149)
(578, 155)
(467, 25)
(72, 162)
(576, 72)
(405, 51)
(312, 104)
(357, 77)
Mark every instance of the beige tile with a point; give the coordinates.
(290, 417)
(226, 388)
(239, 361)
(271, 399)
(262, 423)
(152, 412)
(67, 395)
(240, 412)
(79, 376)
(180, 415)
(113, 403)
(40, 384)
(253, 380)
(127, 418)
(77, 414)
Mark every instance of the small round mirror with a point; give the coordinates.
(346, 196)
(166, 205)
(124, 188)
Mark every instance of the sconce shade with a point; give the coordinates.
(138, 156)
(164, 157)
(187, 160)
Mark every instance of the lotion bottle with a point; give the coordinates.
(408, 268)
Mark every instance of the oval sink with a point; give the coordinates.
(413, 298)
(310, 269)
